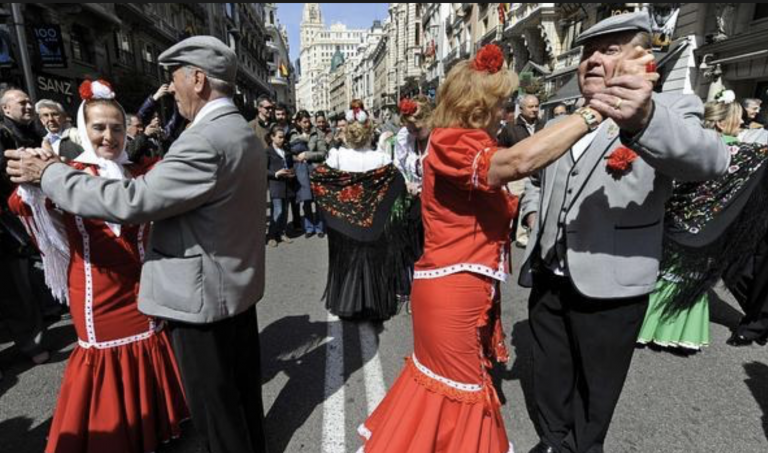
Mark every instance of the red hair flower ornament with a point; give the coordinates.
(489, 59)
(99, 89)
(407, 107)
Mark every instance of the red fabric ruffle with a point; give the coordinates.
(126, 399)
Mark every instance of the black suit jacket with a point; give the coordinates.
(513, 134)
(278, 187)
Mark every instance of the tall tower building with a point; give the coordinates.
(318, 46)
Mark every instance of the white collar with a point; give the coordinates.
(211, 106)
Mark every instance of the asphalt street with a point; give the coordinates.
(321, 377)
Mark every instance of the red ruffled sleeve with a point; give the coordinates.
(463, 156)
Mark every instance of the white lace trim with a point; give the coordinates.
(499, 275)
(475, 169)
(443, 380)
(123, 341)
(366, 434)
(89, 324)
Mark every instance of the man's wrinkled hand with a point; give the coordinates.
(26, 166)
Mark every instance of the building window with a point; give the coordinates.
(761, 11)
(148, 59)
(124, 47)
(79, 42)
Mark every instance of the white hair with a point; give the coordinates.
(48, 104)
(218, 85)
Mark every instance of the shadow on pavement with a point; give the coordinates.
(296, 347)
(13, 363)
(521, 369)
(18, 436)
(757, 376)
(722, 313)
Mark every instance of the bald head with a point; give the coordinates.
(17, 106)
(529, 108)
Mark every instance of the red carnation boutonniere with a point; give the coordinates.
(489, 59)
(620, 161)
(407, 107)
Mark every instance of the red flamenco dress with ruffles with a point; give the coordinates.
(121, 391)
(444, 400)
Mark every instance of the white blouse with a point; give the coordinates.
(356, 161)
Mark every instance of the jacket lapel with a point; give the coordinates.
(593, 157)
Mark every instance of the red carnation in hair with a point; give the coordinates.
(407, 107)
(85, 91)
(489, 59)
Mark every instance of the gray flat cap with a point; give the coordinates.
(639, 21)
(205, 52)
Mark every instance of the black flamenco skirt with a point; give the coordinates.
(360, 286)
(366, 279)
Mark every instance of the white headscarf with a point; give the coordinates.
(110, 169)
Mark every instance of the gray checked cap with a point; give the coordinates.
(639, 21)
(211, 55)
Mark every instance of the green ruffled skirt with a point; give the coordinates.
(687, 328)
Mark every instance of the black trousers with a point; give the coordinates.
(20, 303)
(582, 349)
(754, 324)
(221, 372)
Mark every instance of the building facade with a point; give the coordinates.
(318, 46)
(282, 76)
(121, 42)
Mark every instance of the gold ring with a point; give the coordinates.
(617, 106)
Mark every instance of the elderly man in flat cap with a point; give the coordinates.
(204, 268)
(597, 216)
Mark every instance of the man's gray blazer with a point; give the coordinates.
(205, 261)
(614, 226)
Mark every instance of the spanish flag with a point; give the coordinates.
(503, 11)
(284, 71)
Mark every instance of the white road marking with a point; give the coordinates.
(375, 388)
(334, 422)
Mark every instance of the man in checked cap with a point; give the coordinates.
(204, 270)
(593, 256)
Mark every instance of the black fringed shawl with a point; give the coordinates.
(714, 224)
(369, 240)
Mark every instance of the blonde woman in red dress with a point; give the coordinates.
(121, 391)
(444, 400)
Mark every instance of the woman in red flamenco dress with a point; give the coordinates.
(444, 400)
(121, 391)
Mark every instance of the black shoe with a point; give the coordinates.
(738, 340)
(321, 235)
(543, 448)
(308, 235)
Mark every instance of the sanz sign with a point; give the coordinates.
(58, 89)
(50, 46)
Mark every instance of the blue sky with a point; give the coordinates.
(353, 15)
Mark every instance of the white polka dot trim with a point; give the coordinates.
(140, 242)
(443, 380)
(154, 328)
(89, 324)
(499, 275)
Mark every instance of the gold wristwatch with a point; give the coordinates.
(590, 117)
